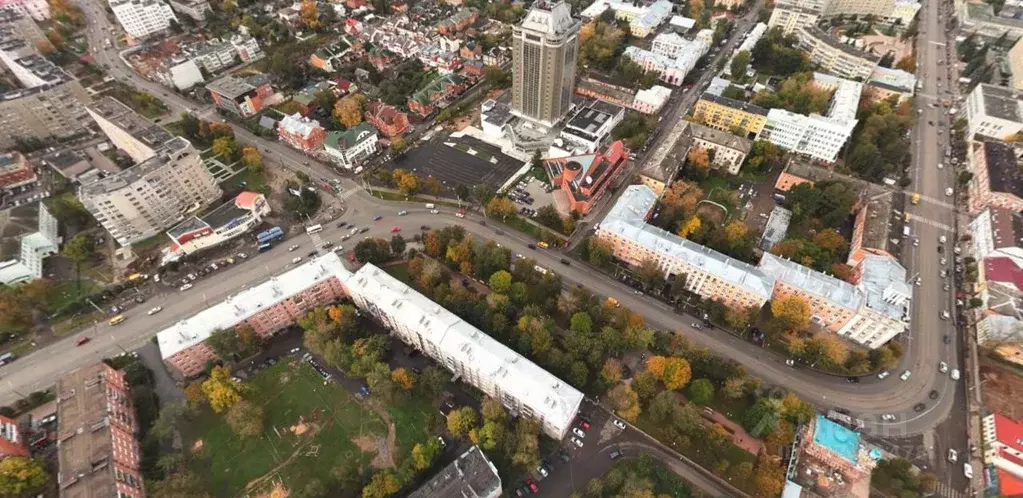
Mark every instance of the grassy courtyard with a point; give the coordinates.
(312, 432)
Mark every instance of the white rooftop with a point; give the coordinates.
(552, 19)
(296, 124)
(482, 355)
(883, 282)
(846, 99)
(682, 22)
(239, 307)
(812, 281)
(894, 77)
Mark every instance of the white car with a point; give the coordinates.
(883, 375)
(577, 442)
(292, 248)
(619, 424)
(944, 315)
(955, 374)
(948, 191)
(186, 287)
(434, 211)
(943, 367)
(402, 212)
(296, 259)
(578, 432)
(968, 470)
(905, 375)
(155, 310)
(542, 471)
(952, 456)
(887, 417)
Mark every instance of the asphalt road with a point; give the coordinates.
(868, 399)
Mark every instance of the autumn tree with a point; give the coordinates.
(462, 420)
(245, 418)
(656, 365)
(251, 158)
(221, 391)
(625, 402)
(349, 110)
(407, 182)
(792, 312)
(500, 207)
(423, 454)
(500, 282)
(383, 484)
(20, 476)
(493, 410)
(526, 453)
(404, 378)
(611, 372)
(309, 14)
(676, 373)
(226, 148)
(907, 63)
(699, 157)
(692, 225)
(194, 394)
(650, 273)
(696, 8)
(599, 252)
(80, 249)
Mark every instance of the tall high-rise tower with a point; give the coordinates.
(544, 51)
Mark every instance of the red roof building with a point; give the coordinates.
(15, 171)
(12, 442)
(301, 133)
(582, 179)
(1003, 448)
(390, 121)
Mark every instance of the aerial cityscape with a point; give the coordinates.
(466, 248)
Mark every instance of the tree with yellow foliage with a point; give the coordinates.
(625, 402)
(500, 207)
(698, 160)
(348, 111)
(403, 378)
(676, 373)
(696, 8)
(220, 390)
(309, 15)
(792, 312)
(690, 226)
(656, 365)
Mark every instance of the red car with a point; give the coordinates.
(532, 485)
(584, 425)
(81, 340)
(395, 229)
(351, 257)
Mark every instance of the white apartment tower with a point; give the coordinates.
(544, 51)
(142, 18)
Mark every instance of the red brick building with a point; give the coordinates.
(97, 451)
(388, 120)
(443, 87)
(15, 171)
(582, 179)
(301, 132)
(459, 21)
(12, 442)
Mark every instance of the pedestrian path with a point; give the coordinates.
(935, 224)
(943, 489)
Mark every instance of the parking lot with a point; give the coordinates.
(454, 161)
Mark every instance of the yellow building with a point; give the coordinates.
(726, 114)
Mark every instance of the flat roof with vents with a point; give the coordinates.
(470, 475)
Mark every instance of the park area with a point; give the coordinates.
(315, 433)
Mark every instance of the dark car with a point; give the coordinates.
(933, 395)
(424, 227)
(946, 339)
(531, 246)
(565, 262)
(919, 407)
(615, 455)
(364, 230)
(563, 455)
(342, 224)
(853, 380)
(312, 254)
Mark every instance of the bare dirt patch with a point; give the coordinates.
(712, 212)
(1002, 388)
(370, 444)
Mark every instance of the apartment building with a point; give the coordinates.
(387, 119)
(1014, 57)
(501, 373)
(195, 9)
(267, 307)
(998, 233)
(243, 96)
(590, 126)
(649, 101)
(133, 134)
(1003, 452)
(582, 179)
(15, 171)
(457, 22)
(12, 442)
(471, 474)
(997, 179)
(35, 248)
(643, 19)
(38, 10)
(870, 313)
(792, 17)
(437, 93)
(143, 18)
(816, 136)
(833, 56)
(16, 25)
(49, 106)
(725, 114)
(876, 225)
(347, 147)
(545, 46)
(671, 56)
(993, 112)
(98, 453)
(329, 57)
(301, 132)
(729, 150)
(147, 198)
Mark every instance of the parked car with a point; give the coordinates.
(185, 287)
(619, 424)
(578, 432)
(577, 442)
(81, 340)
(155, 310)
(296, 259)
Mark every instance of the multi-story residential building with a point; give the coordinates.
(790, 17)
(247, 48)
(301, 132)
(144, 200)
(875, 225)
(436, 93)
(643, 19)
(473, 356)
(904, 11)
(267, 308)
(583, 179)
(38, 10)
(329, 57)
(458, 22)
(98, 453)
(997, 180)
(1014, 57)
(387, 119)
(1003, 452)
(242, 96)
(725, 114)
(994, 112)
(590, 126)
(816, 136)
(15, 171)
(671, 56)
(981, 19)
(143, 18)
(195, 9)
(12, 442)
(138, 137)
(729, 150)
(17, 25)
(827, 448)
(35, 248)
(645, 101)
(50, 106)
(213, 56)
(545, 46)
(471, 474)
(871, 312)
(347, 147)
(835, 57)
(998, 233)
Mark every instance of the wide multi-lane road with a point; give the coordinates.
(868, 399)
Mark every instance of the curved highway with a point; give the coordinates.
(867, 400)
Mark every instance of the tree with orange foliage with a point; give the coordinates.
(831, 240)
(676, 373)
(404, 378)
(690, 226)
(655, 365)
(699, 159)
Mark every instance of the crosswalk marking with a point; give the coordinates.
(939, 202)
(935, 224)
(943, 489)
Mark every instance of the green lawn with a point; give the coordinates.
(415, 421)
(400, 272)
(289, 391)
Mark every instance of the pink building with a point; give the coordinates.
(997, 178)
